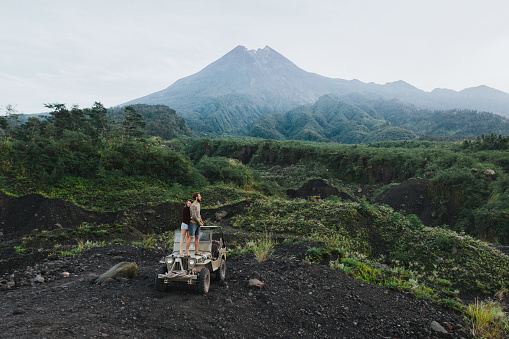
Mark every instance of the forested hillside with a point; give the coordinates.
(357, 119)
(160, 121)
(81, 155)
(230, 114)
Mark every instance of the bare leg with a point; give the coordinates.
(182, 236)
(196, 244)
(188, 244)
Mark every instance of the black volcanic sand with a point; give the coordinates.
(298, 300)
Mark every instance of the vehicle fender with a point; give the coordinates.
(207, 264)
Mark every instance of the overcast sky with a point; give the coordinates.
(79, 52)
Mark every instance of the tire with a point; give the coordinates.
(221, 271)
(160, 285)
(204, 281)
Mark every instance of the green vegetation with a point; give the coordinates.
(261, 247)
(20, 249)
(323, 254)
(224, 170)
(380, 246)
(487, 319)
(160, 121)
(80, 156)
(355, 119)
(438, 257)
(469, 186)
(229, 114)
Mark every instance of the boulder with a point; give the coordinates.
(439, 330)
(221, 215)
(255, 283)
(122, 269)
(38, 278)
(488, 172)
(18, 311)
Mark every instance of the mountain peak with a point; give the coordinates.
(266, 49)
(260, 54)
(253, 52)
(400, 84)
(238, 49)
(274, 83)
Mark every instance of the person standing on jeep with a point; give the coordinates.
(184, 226)
(194, 225)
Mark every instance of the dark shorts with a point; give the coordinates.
(194, 229)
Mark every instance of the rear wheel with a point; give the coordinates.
(221, 271)
(160, 285)
(204, 281)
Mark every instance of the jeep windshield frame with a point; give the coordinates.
(215, 229)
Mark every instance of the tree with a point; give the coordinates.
(78, 120)
(132, 125)
(98, 120)
(60, 117)
(9, 121)
(30, 128)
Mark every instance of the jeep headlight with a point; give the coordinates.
(170, 260)
(191, 262)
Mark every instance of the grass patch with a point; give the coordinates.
(486, 319)
(20, 249)
(261, 247)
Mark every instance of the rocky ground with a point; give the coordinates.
(298, 299)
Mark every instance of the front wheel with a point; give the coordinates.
(221, 271)
(204, 281)
(160, 285)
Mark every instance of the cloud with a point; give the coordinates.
(121, 50)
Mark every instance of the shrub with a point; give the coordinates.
(20, 249)
(486, 319)
(225, 170)
(261, 247)
(452, 304)
(318, 255)
(415, 223)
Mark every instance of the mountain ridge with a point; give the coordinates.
(264, 81)
(360, 119)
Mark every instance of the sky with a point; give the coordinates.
(112, 51)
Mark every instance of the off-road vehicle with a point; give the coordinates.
(195, 269)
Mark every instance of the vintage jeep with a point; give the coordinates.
(195, 269)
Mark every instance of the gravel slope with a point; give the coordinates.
(297, 300)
